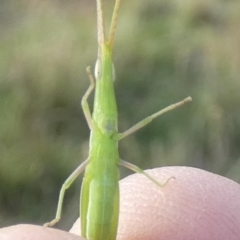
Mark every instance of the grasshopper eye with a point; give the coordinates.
(98, 70)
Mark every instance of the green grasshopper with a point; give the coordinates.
(99, 205)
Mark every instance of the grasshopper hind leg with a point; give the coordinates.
(136, 169)
(65, 186)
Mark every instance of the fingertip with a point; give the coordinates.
(195, 205)
(34, 232)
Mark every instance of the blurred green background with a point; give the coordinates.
(164, 52)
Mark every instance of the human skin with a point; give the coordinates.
(194, 205)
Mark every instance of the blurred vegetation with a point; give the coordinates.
(164, 52)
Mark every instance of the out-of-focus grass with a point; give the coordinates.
(165, 51)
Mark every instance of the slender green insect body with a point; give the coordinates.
(100, 192)
(99, 204)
